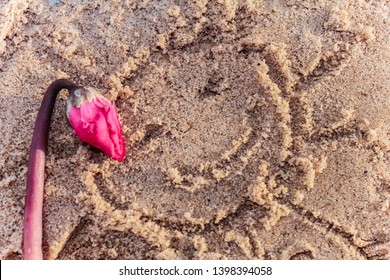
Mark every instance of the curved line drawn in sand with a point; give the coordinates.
(265, 191)
(238, 149)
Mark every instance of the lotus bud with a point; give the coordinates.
(95, 121)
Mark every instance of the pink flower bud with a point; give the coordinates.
(95, 121)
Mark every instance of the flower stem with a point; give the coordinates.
(32, 236)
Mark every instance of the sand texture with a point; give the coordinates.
(255, 129)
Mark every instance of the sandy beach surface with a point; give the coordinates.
(255, 129)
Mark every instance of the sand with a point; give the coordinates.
(254, 129)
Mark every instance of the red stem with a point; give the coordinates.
(32, 236)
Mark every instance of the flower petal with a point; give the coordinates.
(88, 112)
(102, 102)
(96, 122)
